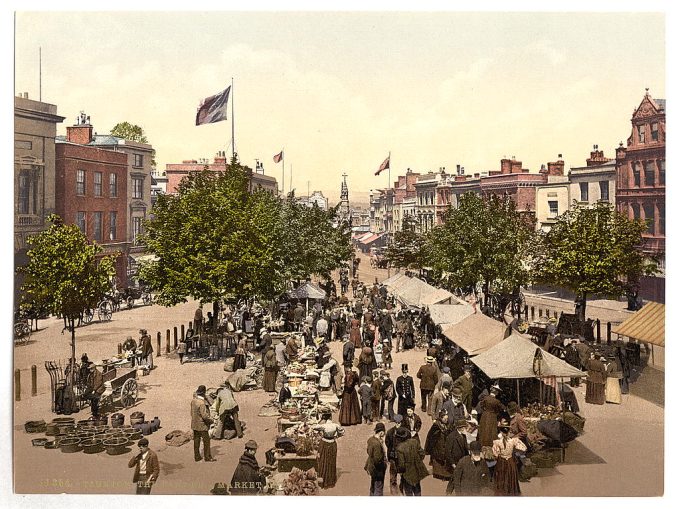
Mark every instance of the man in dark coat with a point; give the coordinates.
(388, 395)
(146, 468)
(435, 446)
(200, 424)
(146, 346)
(410, 464)
(465, 385)
(247, 478)
(376, 392)
(347, 354)
(471, 476)
(412, 422)
(392, 440)
(572, 357)
(376, 463)
(456, 442)
(405, 390)
(429, 376)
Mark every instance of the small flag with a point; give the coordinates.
(278, 157)
(214, 108)
(385, 164)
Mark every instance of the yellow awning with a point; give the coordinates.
(647, 325)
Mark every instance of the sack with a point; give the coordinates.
(557, 430)
(229, 364)
(286, 444)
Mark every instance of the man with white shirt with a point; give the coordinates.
(146, 468)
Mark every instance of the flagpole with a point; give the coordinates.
(283, 174)
(233, 138)
(290, 187)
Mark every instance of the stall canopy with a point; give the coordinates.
(445, 314)
(475, 333)
(514, 358)
(647, 325)
(307, 290)
(412, 291)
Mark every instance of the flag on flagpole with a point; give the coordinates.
(278, 157)
(385, 165)
(214, 108)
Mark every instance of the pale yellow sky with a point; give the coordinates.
(338, 91)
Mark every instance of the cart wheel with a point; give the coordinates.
(88, 315)
(130, 302)
(128, 393)
(105, 311)
(146, 298)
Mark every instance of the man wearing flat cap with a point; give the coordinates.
(146, 468)
(200, 424)
(247, 478)
(376, 463)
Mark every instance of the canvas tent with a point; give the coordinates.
(514, 358)
(647, 325)
(307, 291)
(445, 314)
(475, 333)
(411, 291)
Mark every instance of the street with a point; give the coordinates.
(604, 461)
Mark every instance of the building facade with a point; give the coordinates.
(175, 172)
(35, 130)
(91, 192)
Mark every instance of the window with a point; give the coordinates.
(113, 185)
(80, 182)
(649, 173)
(113, 223)
(138, 188)
(641, 133)
(649, 217)
(97, 226)
(662, 218)
(97, 183)
(584, 191)
(604, 190)
(80, 221)
(655, 131)
(636, 174)
(136, 229)
(139, 160)
(662, 172)
(24, 199)
(554, 209)
(636, 210)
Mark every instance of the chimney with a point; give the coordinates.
(556, 168)
(220, 157)
(596, 157)
(81, 131)
(506, 166)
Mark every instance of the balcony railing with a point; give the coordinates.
(28, 220)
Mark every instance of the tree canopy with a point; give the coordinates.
(407, 248)
(215, 238)
(593, 250)
(130, 132)
(481, 242)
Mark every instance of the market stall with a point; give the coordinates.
(307, 291)
(647, 326)
(476, 333)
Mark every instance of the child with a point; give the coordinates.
(365, 394)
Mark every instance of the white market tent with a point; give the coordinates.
(445, 314)
(411, 291)
(476, 333)
(514, 358)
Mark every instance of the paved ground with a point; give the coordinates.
(605, 461)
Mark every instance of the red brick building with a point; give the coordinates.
(91, 191)
(641, 180)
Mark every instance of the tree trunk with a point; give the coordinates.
(485, 290)
(580, 307)
(71, 322)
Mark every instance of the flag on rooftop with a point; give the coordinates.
(278, 157)
(385, 165)
(214, 108)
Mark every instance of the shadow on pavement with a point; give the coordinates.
(579, 454)
(170, 468)
(648, 383)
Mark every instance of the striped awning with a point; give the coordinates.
(647, 325)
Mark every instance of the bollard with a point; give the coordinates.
(17, 385)
(609, 333)
(555, 314)
(533, 313)
(158, 346)
(120, 348)
(540, 312)
(182, 331)
(175, 337)
(547, 313)
(599, 336)
(34, 380)
(167, 341)
(526, 312)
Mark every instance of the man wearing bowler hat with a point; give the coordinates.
(376, 463)
(247, 478)
(200, 424)
(146, 468)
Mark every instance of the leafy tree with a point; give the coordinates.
(65, 274)
(407, 248)
(593, 250)
(130, 132)
(482, 242)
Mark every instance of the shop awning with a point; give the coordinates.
(515, 357)
(647, 325)
(475, 333)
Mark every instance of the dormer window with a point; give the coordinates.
(641, 133)
(655, 131)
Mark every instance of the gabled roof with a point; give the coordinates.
(475, 333)
(647, 325)
(445, 314)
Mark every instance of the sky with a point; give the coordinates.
(339, 91)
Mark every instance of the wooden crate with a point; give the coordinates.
(286, 462)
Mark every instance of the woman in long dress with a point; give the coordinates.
(350, 411)
(597, 377)
(488, 422)
(506, 477)
(435, 446)
(612, 389)
(328, 450)
(240, 355)
(271, 369)
(367, 362)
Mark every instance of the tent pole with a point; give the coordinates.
(518, 398)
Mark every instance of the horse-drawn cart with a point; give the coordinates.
(120, 385)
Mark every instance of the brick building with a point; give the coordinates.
(518, 183)
(641, 182)
(175, 172)
(91, 191)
